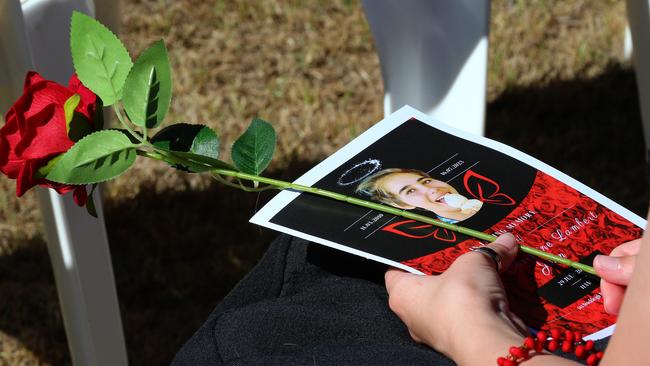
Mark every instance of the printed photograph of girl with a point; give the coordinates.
(409, 189)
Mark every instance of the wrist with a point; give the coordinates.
(488, 341)
(493, 341)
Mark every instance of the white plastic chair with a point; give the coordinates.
(433, 56)
(35, 36)
(638, 15)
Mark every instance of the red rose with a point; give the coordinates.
(35, 132)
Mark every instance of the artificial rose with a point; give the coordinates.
(35, 132)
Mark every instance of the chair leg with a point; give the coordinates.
(638, 14)
(77, 243)
(83, 271)
(433, 57)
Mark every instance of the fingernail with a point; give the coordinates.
(606, 262)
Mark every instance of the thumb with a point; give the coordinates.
(616, 270)
(506, 248)
(393, 277)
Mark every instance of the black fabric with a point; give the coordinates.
(306, 304)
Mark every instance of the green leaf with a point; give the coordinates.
(197, 143)
(148, 87)
(100, 59)
(68, 108)
(90, 202)
(98, 157)
(185, 137)
(204, 163)
(128, 134)
(253, 150)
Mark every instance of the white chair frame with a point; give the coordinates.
(34, 35)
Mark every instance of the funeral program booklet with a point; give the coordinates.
(410, 161)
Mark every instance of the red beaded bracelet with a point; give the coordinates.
(565, 340)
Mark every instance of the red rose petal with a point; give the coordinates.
(32, 78)
(10, 163)
(46, 134)
(25, 180)
(44, 94)
(74, 83)
(79, 195)
(60, 188)
(88, 98)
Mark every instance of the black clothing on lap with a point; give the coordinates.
(307, 304)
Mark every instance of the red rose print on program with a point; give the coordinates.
(36, 132)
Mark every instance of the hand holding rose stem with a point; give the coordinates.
(142, 91)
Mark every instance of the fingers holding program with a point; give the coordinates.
(469, 292)
(612, 296)
(470, 267)
(405, 299)
(501, 252)
(615, 271)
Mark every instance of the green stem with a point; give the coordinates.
(280, 184)
(169, 157)
(120, 117)
(239, 184)
(403, 213)
(256, 187)
(225, 182)
(151, 155)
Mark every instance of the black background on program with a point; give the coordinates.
(565, 295)
(412, 145)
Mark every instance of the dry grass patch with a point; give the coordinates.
(537, 41)
(307, 67)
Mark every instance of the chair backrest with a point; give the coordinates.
(35, 36)
(433, 57)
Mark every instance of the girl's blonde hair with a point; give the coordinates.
(370, 186)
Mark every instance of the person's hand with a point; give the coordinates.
(463, 312)
(615, 272)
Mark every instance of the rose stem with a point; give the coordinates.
(371, 205)
(406, 214)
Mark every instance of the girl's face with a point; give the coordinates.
(415, 190)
